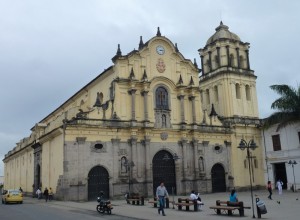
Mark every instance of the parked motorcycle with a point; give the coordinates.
(104, 205)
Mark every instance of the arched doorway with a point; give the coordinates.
(98, 180)
(163, 168)
(37, 178)
(218, 178)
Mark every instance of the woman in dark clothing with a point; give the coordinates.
(269, 187)
(46, 194)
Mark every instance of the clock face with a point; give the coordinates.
(160, 50)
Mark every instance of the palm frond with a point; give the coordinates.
(288, 106)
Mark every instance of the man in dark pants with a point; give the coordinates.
(161, 194)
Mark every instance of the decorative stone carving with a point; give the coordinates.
(160, 65)
(164, 136)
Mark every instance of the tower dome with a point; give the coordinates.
(222, 32)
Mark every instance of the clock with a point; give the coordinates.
(160, 50)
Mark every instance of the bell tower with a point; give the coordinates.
(227, 80)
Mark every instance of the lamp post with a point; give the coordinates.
(250, 145)
(293, 162)
(129, 164)
(174, 157)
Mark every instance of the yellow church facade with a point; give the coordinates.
(153, 115)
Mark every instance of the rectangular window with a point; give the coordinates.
(276, 142)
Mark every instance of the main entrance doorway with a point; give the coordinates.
(163, 169)
(280, 173)
(218, 178)
(98, 180)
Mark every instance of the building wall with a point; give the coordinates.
(290, 150)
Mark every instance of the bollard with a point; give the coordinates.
(218, 204)
(142, 200)
(155, 202)
(167, 203)
(187, 208)
(179, 206)
(195, 205)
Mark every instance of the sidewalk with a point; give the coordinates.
(287, 209)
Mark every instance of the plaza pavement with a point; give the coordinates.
(288, 208)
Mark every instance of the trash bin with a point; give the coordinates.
(261, 207)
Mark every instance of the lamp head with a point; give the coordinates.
(252, 145)
(242, 144)
(292, 162)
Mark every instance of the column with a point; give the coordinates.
(115, 149)
(248, 62)
(146, 143)
(134, 158)
(195, 145)
(227, 54)
(202, 67)
(145, 94)
(184, 157)
(192, 99)
(132, 93)
(238, 57)
(181, 98)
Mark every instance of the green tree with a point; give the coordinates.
(287, 106)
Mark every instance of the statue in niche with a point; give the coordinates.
(201, 164)
(123, 165)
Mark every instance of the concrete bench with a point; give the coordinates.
(136, 200)
(228, 207)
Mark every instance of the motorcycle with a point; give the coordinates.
(104, 205)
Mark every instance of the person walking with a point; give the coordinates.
(233, 196)
(269, 188)
(161, 194)
(38, 193)
(50, 194)
(279, 184)
(46, 194)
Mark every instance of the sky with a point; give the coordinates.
(50, 49)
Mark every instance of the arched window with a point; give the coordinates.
(207, 97)
(216, 93)
(237, 91)
(161, 96)
(164, 121)
(231, 60)
(248, 95)
(242, 62)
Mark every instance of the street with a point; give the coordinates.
(37, 210)
(285, 206)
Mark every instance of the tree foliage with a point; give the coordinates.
(287, 106)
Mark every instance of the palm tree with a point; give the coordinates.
(288, 106)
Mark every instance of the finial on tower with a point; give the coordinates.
(119, 53)
(158, 32)
(141, 44)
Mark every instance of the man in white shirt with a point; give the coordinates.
(161, 193)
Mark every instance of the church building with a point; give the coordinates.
(153, 115)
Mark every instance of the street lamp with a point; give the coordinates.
(293, 162)
(129, 164)
(174, 157)
(250, 145)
